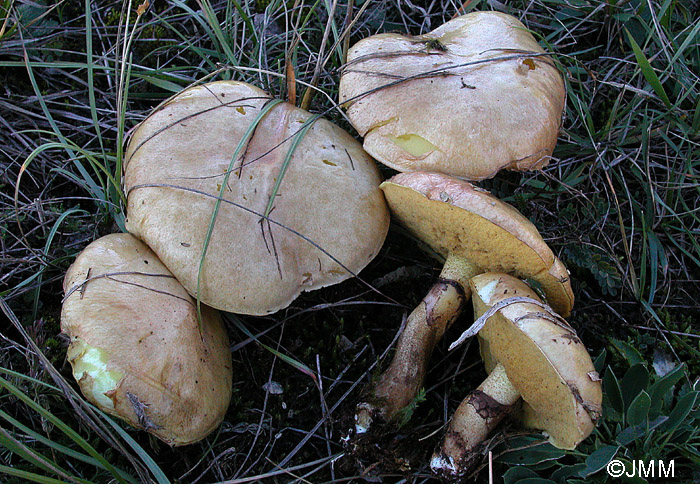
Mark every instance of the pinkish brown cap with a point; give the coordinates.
(329, 216)
(136, 347)
(479, 97)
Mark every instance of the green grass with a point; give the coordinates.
(620, 206)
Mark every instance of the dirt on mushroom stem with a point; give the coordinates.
(529, 352)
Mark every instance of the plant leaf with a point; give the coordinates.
(630, 434)
(530, 452)
(638, 411)
(660, 388)
(648, 71)
(515, 474)
(599, 459)
(635, 380)
(680, 411)
(612, 389)
(563, 473)
(629, 352)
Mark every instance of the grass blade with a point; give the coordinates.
(69, 432)
(298, 365)
(648, 71)
(239, 149)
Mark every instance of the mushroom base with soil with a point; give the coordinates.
(399, 384)
(476, 233)
(473, 421)
(532, 354)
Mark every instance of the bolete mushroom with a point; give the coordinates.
(245, 220)
(137, 348)
(476, 233)
(530, 353)
(474, 96)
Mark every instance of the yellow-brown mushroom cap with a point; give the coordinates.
(472, 97)
(135, 342)
(332, 214)
(453, 216)
(543, 358)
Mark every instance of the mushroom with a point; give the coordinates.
(137, 348)
(474, 96)
(278, 226)
(476, 233)
(530, 353)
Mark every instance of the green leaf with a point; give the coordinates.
(611, 388)
(68, 431)
(515, 474)
(629, 352)
(164, 84)
(598, 460)
(530, 453)
(404, 415)
(561, 475)
(599, 362)
(94, 189)
(683, 435)
(658, 262)
(287, 359)
(29, 476)
(680, 411)
(635, 380)
(47, 247)
(53, 445)
(535, 480)
(639, 409)
(630, 474)
(606, 274)
(630, 434)
(157, 472)
(648, 71)
(19, 449)
(660, 388)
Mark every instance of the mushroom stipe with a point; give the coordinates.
(476, 232)
(528, 355)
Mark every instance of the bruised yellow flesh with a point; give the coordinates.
(138, 349)
(90, 363)
(414, 144)
(454, 217)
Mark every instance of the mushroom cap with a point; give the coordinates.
(454, 216)
(329, 195)
(135, 343)
(543, 358)
(501, 110)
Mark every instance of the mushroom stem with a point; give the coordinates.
(476, 416)
(399, 384)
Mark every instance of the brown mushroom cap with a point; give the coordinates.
(135, 342)
(329, 195)
(543, 358)
(501, 110)
(454, 217)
